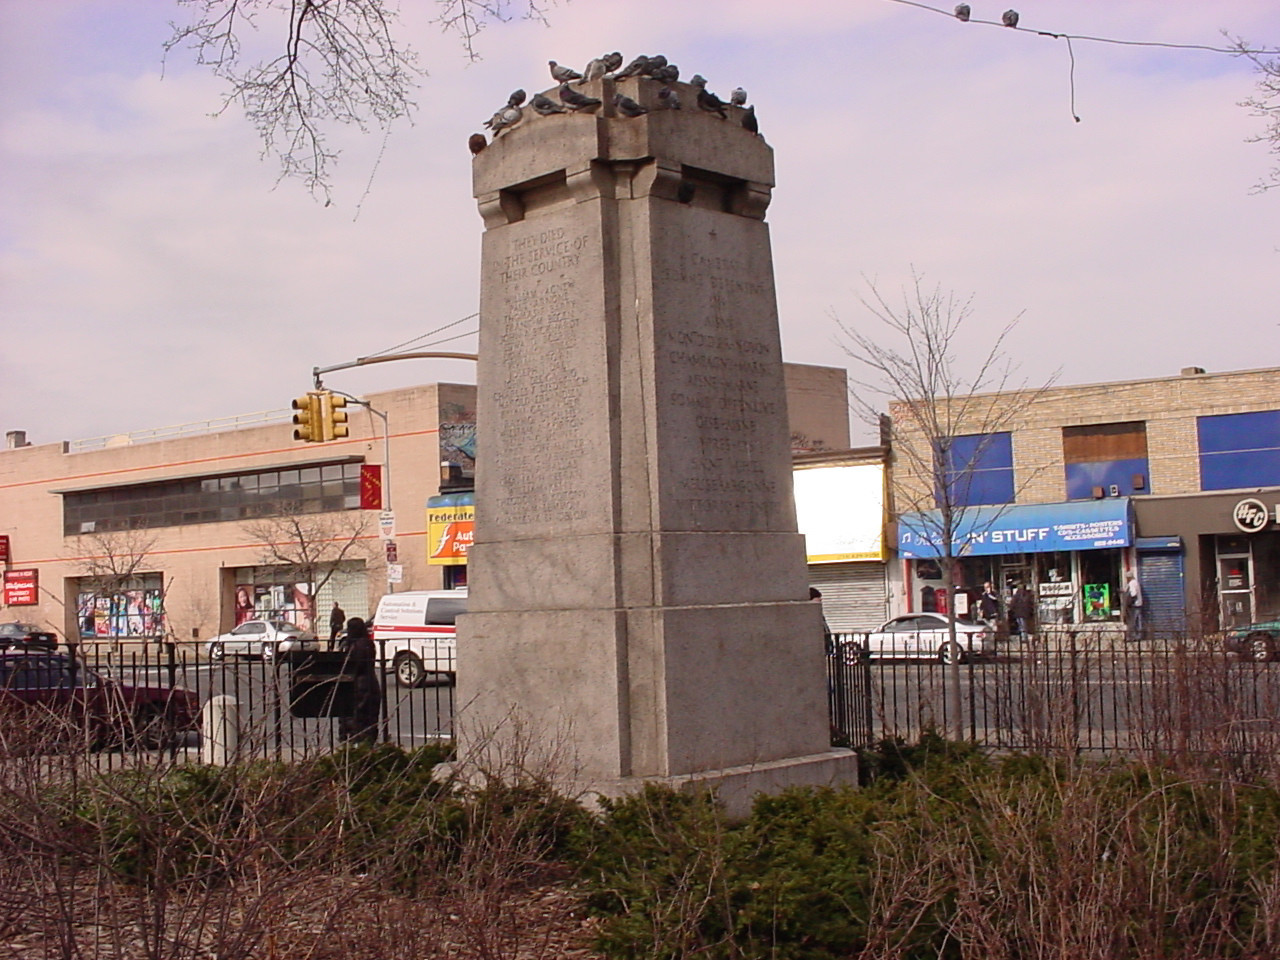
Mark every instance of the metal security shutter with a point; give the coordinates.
(1160, 573)
(853, 594)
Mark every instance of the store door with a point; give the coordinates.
(1235, 582)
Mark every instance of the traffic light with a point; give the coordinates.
(335, 417)
(307, 421)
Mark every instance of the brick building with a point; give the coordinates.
(1175, 479)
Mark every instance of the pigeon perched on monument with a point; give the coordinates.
(562, 74)
(576, 101)
(628, 107)
(545, 106)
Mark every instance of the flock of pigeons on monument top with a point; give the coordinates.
(609, 67)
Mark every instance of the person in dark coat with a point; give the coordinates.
(362, 664)
(989, 603)
(337, 617)
(1022, 608)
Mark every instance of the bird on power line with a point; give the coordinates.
(561, 74)
(963, 12)
(1009, 18)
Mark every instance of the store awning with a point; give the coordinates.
(1021, 528)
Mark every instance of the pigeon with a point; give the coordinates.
(652, 64)
(593, 71)
(1009, 18)
(628, 107)
(515, 99)
(962, 12)
(508, 116)
(668, 74)
(631, 69)
(612, 61)
(576, 101)
(749, 122)
(477, 143)
(545, 106)
(668, 99)
(739, 97)
(707, 100)
(562, 74)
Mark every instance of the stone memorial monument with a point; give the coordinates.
(637, 586)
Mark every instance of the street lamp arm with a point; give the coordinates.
(416, 355)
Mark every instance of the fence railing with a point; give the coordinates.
(272, 699)
(1162, 695)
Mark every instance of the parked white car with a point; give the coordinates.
(924, 636)
(261, 638)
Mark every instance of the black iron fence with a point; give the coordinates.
(286, 707)
(1067, 692)
(1072, 691)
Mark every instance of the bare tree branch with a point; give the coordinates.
(1265, 103)
(336, 62)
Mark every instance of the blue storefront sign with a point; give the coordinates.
(1028, 528)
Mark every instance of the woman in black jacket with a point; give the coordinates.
(362, 665)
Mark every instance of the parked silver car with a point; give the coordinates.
(261, 638)
(924, 636)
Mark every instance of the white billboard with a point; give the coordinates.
(840, 511)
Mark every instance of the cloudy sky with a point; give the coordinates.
(152, 272)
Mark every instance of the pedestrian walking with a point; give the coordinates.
(337, 618)
(1022, 608)
(1131, 598)
(362, 665)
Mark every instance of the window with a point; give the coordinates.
(977, 469)
(1239, 450)
(1107, 459)
(263, 493)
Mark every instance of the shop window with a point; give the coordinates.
(1106, 460)
(1239, 450)
(134, 608)
(977, 469)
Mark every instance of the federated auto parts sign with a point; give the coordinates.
(1029, 528)
(840, 511)
(451, 523)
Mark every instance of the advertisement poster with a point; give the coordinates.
(1097, 601)
(129, 613)
(21, 588)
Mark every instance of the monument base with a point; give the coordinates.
(737, 787)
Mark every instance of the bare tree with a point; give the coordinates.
(915, 373)
(332, 62)
(1265, 103)
(312, 546)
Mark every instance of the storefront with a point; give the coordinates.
(840, 511)
(1229, 551)
(1070, 555)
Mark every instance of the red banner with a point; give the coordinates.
(4, 548)
(21, 588)
(370, 486)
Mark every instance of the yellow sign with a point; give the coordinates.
(450, 531)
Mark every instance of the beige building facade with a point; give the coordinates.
(183, 533)
(1069, 490)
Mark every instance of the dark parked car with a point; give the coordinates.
(1257, 641)
(48, 698)
(25, 636)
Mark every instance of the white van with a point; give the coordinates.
(420, 632)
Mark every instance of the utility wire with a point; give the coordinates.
(430, 333)
(1208, 48)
